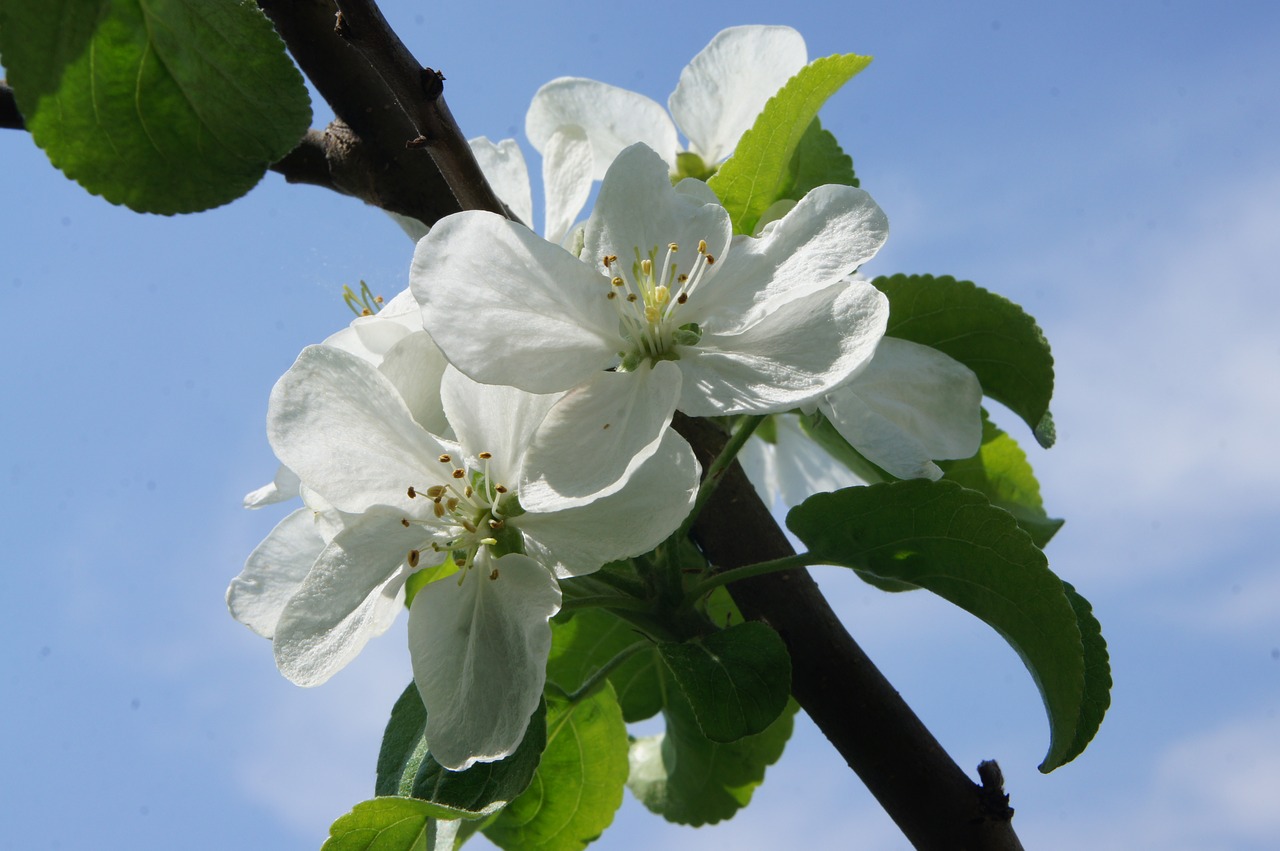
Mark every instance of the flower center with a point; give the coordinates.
(648, 299)
(469, 510)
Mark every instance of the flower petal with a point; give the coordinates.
(479, 652)
(804, 348)
(494, 418)
(504, 167)
(631, 521)
(414, 365)
(507, 307)
(612, 118)
(284, 486)
(723, 89)
(351, 594)
(910, 406)
(597, 435)
(793, 467)
(566, 179)
(274, 571)
(825, 237)
(342, 427)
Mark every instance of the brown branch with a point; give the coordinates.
(10, 118)
(926, 794)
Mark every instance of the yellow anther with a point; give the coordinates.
(436, 491)
(500, 488)
(495, 524)
(437, 509)
(651, 313)
(413, 558)
(646, 266)
(671, 246)
(485, 456)
(444, 459)
(661, 294)
(489, 542)
(618, 282)
(631, 297)
(451, 504)
(610, 259)
(702, 246)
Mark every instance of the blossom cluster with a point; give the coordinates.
(505, 423)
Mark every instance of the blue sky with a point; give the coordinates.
(1111, 167)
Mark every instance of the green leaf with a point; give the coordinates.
(582, 645)
(737, 681)
(1097, 675)
(759, 172)
(485, 787)
(987, 333)
(390, 824)
(951, 541)
(1001, 472)
(818, 160)
(165, 106)
(404, 745)
(686, 778)
(578, 785)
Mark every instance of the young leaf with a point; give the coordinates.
(759, 172)
(165, 107)
(1097, 675)
(686, 778)
(1001, 472)
(818, 160)
(737, 681)
(951, 541)
(391, 824)
(485, 787)
(578, 785)
(403, 745)
(585, 642)
(987, 333)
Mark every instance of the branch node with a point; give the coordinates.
(341, 27)
(992, 797)
(417, 142)
(432, 84)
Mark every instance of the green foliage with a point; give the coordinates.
(390, 824)
(582, 645)
(951, 541)
(686, 778)
(404, 745)
(1000, 471)
(987, 333)
(167, 106)
(1097, 674)
(736, 681)
(578, 785)
(818, 160)
(760, 170)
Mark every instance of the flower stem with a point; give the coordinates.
(760, 568)
(607, 601)
(745, 428)
(593, 682)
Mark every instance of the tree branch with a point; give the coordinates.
(926, 794)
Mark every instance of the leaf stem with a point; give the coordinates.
(594, 681)
(607, 601)
(760, 568)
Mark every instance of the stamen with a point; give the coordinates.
(436, 491)
(404, 521)
(495, 524)
(494, 574)
(671, 246)
(458, 473)
(445, 459)
(485, 456)
(412, 493)
(437, 509)
(702, 246)
(489, 542)
(682, 298)
(413, 558)
(501, 488)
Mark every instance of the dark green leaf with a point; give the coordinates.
(578, 785)
(759, 172)
(581, 645)
(737, 681)
(390, 824)
(1001, 472)
(404, 745)
(485, 787)
(818, 160)
(951, 541)
(165, 106)
(686, 778)
(1097, 675)
(987, 333)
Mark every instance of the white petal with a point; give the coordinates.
(597, 435)
(412, 227)
(793, 467)
(414, 365)
(495, 419)
(274, 571)
(910, 406)
(638, 209)
(804, 348)
(480, 657)
(507, 307)
(284, 486)
(504, 167)
(566, 179)
(832, 231)
(631, 521)
(613, 118)
(351, 595)
(343, 428)
(724, 87)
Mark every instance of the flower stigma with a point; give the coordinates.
(648, 299)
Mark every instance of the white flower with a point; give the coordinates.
(662, 311)
(717, 99)
(409, 500)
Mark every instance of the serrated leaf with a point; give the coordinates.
(951, 541)
(165, 106)
(578, 785)
(987, 333)
(1097, 675)
(686, 778)
(404, 745)
(736, 681)
(1000, 471)
(583, 644)
(390, 824)
(759, 172)
(818, 160)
